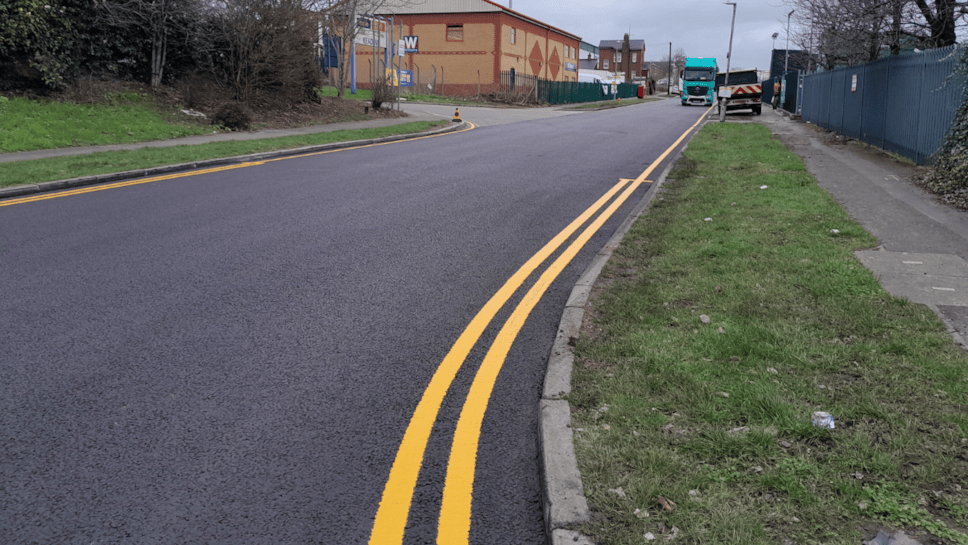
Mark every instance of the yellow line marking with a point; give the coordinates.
(646, 172)
(103, 187)
(391, 517)
(455, 511)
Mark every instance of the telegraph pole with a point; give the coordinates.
(669, 86)
(729, 57)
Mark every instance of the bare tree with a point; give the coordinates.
(266, 46)
(158, 19)
(941, 19)
(660, 71)
(838, 32)
(339, 22)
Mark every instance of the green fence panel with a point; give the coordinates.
(628, 90)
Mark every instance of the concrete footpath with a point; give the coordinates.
(922, 256)
(219, 137)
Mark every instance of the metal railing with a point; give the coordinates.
(902, 104)
(564, 92)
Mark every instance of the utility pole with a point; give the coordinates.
(729, 58)
(669, 85)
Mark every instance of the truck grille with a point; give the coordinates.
(696, 90)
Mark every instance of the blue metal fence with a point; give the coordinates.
(902, 104)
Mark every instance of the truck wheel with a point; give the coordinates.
(758, 110)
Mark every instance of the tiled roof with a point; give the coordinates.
(634, 45)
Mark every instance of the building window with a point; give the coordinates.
(604, 64)
(455, 33)
(618, 57)
(635, 58)
(513, 36)
(567, 51)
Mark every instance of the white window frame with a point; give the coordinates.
(513, 36)
(618, 57)
(604, 64)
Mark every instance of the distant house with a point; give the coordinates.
(610, 58)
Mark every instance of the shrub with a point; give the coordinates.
(232, 115)
(382, 92)
(949, 177)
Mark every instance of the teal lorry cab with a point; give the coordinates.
(699, 81)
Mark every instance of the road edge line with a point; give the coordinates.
(70, 183)
(563, 495)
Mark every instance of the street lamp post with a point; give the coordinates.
(786, 64)
(729, 58)
(775, 36)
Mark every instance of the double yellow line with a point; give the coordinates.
(455, 512)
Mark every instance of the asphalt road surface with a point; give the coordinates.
(235, 356)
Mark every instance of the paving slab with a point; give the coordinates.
(929, 279)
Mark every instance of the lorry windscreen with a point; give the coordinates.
(693, 74)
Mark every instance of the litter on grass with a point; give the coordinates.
(823, 419)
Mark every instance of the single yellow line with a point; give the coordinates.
(391, 517)
(455, 511)
(102, 187)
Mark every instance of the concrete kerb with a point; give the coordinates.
(29, 189)
(561, 486)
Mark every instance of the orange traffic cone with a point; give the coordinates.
(457, 115)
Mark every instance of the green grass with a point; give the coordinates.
(27, 125)
(614, 103)
(361, 94)
(437, 99)
(59, 168)
(717, 417)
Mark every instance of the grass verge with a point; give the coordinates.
(702, 431)
(615, 103)
(59, 168)
(438, 99)
(361, 94)
(127, 117)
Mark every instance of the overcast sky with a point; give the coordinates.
(699, 27)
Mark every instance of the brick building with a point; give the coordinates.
(610, 58)
(466, 44)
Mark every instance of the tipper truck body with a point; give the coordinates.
(745, 90)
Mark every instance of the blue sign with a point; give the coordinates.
(332, 45)
(570, 67)
(406, 78)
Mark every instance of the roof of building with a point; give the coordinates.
(421, 7)
(635, 45)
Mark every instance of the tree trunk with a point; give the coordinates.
(159, 45)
